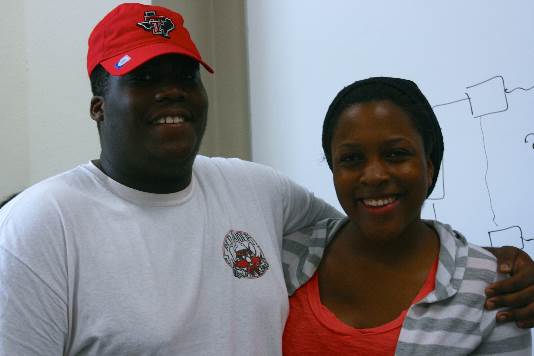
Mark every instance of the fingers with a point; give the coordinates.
(522, 305)
(516, 262)
(506, 257)
(505, 268)
(523, 317)
(515, 293)
(520, 299)
(517, 282)
(522, 261)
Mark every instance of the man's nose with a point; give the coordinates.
(170, 91)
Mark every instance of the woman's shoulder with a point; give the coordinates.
(470, 262)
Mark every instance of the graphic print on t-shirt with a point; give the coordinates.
(243, 254)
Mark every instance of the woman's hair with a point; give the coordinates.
(403, 93)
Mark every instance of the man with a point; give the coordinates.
(151, 249)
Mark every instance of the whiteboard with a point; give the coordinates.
(474, 60)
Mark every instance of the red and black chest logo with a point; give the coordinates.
(243, 254)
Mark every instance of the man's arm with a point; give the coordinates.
(516, 292)
(33, 277)
(33, 319)
(303, 209)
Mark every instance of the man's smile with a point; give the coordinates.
(168, 120)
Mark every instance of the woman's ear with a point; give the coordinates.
(96, 109)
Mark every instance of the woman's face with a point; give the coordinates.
(381, 171)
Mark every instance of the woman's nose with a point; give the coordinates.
(374, 173)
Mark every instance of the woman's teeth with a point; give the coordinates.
(378, 202)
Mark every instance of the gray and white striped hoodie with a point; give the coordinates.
(451, 320)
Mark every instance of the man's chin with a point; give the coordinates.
(175, 156)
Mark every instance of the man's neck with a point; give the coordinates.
(158, 182)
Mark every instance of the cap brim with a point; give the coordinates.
(126, 62)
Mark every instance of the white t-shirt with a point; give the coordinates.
(89, 266)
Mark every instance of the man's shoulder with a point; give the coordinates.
(33, 221)
(45, 194)
(60, 183)
(235, 171)
(225, 163)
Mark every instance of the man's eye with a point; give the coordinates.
(141, 77)
(145, 77)
(190, 75)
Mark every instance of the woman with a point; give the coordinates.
(419, 286)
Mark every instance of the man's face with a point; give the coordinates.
(153, 118)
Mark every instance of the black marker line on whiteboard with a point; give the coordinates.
(506, 91)
(505, 98)
(518, 88)
(526, 137)
(505, 108)
(486, 172)
(509, 228)
(470, 104)
(452, 102)
(442, 174)
(523, 238)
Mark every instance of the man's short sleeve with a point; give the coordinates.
(33, 295)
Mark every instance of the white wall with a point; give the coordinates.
(14, 138)
(61, 133)
(45, 128)
(218, 27)
(302, 53)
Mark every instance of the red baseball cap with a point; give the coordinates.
(132, 34)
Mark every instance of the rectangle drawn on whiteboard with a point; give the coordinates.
(510, 236)
(487, 97)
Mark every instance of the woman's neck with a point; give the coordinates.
(383, 248)
(366, 282)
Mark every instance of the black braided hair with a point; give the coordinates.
(401, 92)
(99, 81)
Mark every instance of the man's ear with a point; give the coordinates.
(96, 109)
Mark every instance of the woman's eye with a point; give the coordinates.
(350, 158)
(398, 154)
